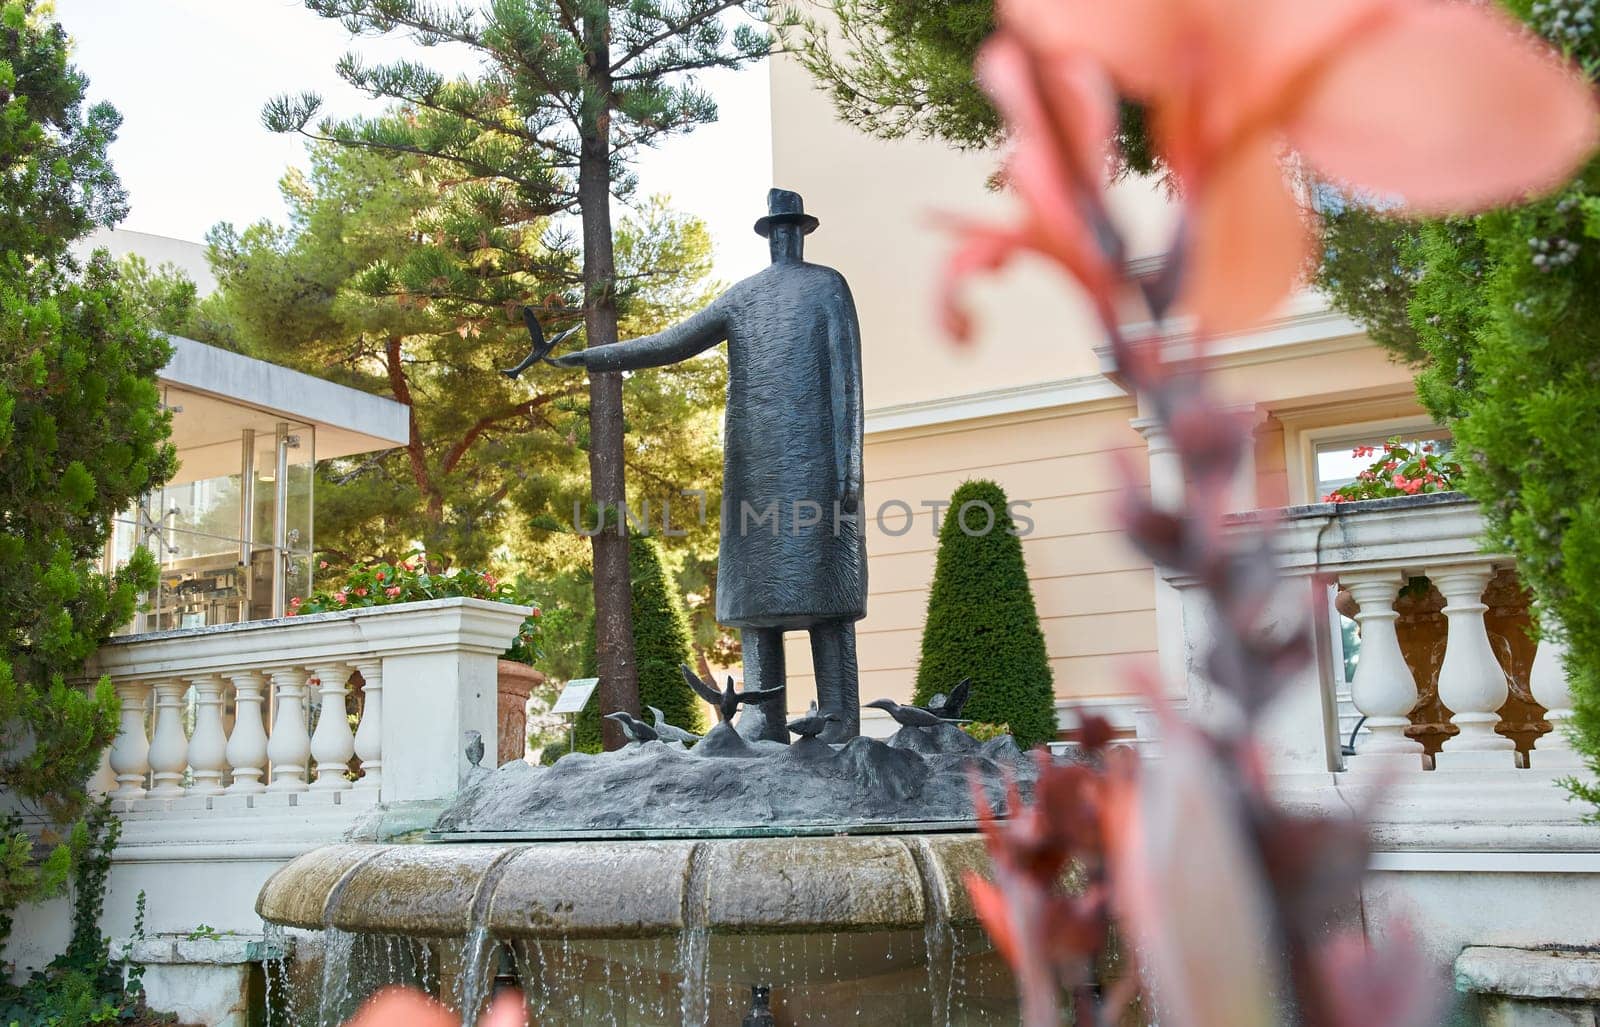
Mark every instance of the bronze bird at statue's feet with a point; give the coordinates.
(727, 700)
(948, 707)
(813, 723)
(907, 716)
(670, 732)
(634, 729)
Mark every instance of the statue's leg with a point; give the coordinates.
(833, 654)
(763, 669)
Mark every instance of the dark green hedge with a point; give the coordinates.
(982, 623)
(661, 644)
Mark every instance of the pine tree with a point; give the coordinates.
(982, 623)
(898, 68)
(569, 93)
(82, 434)
(398, 276)
(661, 642)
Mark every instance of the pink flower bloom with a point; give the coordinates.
(361, 591)
(379, 575)
(294, 601)
(392, 590)
(490, 579)
(536, 612)
(1449, 107)
(322, 565)
(339, 598)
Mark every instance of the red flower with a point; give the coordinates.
(379, 575)
(535, 611)
(322, 565)
(361, 591)
(294, 601)
(490, 579)
(339, 598)
(392, 590)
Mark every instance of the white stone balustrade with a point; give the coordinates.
(1371, 550)
(1548, 683)
(428, 671)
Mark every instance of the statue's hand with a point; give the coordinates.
(574, 359)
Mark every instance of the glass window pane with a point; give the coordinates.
(1337, 465)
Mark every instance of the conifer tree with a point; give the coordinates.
(982, 623)
(569, 91)
(661, 641)
(398, 275)
(82, 434)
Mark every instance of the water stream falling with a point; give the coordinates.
(472, 982)
(936, 936)
(337, 947)
(695, 943)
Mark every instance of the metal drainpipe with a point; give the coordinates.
(247, 520)
(280, 524)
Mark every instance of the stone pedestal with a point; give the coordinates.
(516, 682)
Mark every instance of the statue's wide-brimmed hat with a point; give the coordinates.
(785, 208)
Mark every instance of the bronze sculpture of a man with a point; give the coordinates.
(793, 554)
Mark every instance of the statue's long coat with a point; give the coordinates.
(792, 438)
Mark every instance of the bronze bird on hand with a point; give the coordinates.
(948, 707)
(727, 700)
(541, 347)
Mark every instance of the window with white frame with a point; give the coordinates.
(1336, 462)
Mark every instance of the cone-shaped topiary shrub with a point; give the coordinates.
(982, 623)
(661, 644)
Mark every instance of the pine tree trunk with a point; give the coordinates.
(619, 680)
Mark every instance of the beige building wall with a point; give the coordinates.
(1026, 403)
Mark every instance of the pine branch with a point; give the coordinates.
(455, 453)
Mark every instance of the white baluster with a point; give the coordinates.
(169, 748)
(1383, 687)
(289, 746)
(130, 753)
(208, 745)
(332, 744)
(1471, 682)
(1548, 683)
(247, 745)
(369, 733)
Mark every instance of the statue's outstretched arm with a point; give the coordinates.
(680, 342)
(844, 355)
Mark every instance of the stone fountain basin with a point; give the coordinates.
(631, 889)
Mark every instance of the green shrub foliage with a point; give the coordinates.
(82, 434)
(84, 985)
(661, 646)
(982, 623)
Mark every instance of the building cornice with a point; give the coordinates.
(1019, 399)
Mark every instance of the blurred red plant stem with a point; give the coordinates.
(1299, 870)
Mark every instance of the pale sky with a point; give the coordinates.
(190, 76)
